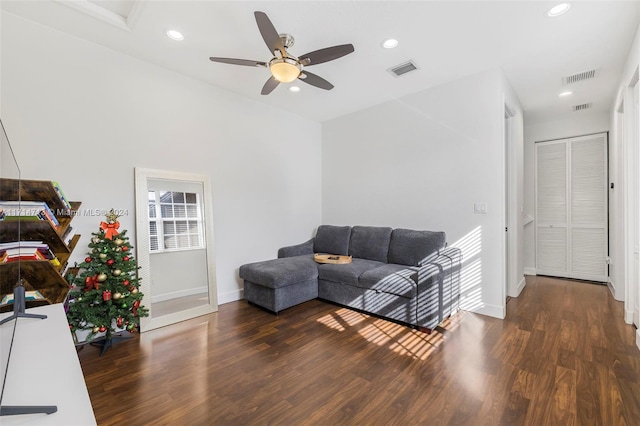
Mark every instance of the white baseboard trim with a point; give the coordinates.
(230, 296)
(530, 271)
(612, 288)
(521, 285)
(176, 294)
(489, 310)
(628, 316)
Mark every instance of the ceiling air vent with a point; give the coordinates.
(581, 107)
(403, 68)
(586, 75)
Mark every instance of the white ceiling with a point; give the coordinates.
(446, 39)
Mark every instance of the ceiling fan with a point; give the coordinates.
(285, 67)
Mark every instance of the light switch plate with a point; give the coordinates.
(480, 208)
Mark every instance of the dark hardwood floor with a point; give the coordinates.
(563, 356)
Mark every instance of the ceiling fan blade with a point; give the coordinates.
(327, 54)
(315, 80)
(269, 33)
(268, 87)
(233, 61)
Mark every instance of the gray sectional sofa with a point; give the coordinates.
(404, 275)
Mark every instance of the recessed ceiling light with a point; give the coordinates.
(558, 10)
(390, 43)
(565, 94)
(294, 89)
(175, 35)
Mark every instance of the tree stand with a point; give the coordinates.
(109, 341)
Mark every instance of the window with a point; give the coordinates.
(175, 221)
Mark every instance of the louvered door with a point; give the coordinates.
(571, 207)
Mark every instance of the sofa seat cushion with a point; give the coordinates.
(409, 247)
(278, 273)
(347, 273)
(370, 242)
(332, 239)
(391, 278)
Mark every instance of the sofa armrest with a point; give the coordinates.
(296, 250)
(439, 286)
(428, 288)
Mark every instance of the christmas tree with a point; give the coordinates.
(105, 297)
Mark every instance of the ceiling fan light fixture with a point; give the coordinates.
(294, 89)
(285, 70)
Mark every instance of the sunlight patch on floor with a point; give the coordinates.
(341, 318)
(331, 322)
(381, 332)
(417, 345)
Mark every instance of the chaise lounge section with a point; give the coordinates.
(404, 275)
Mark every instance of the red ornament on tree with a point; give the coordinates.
(106, 295)
(125, 282)
(103, 328)
(125, 258)
(87, 259)
(134, 309)
(125, 248)
(91, 283)
(119, 322)
(110, 262)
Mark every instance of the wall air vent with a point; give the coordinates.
(403, 68)
(586, 75)
(581, 107)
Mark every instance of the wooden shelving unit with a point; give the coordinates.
(40, 275)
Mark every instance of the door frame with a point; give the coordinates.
(142, 176)
(512, 285)
(630, 136)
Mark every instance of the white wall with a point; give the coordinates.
(582, 123)
(85, 116)
(178, 274)
(421, 162)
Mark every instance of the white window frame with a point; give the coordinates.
(160, 221)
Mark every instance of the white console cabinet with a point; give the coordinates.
(44, 370)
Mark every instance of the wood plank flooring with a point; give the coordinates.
(563, 356)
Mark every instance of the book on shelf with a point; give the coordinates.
(26, 250)
(29, 296)
(28, 210)
(66, 233)
(61, 195)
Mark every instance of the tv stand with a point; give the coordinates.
(19, 303)
(14, 410)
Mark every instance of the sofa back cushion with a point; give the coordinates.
(409, 247)
(370, 242)
(332, 239)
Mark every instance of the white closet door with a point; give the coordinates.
(552, 208)
(571, 207)
(588, 210)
